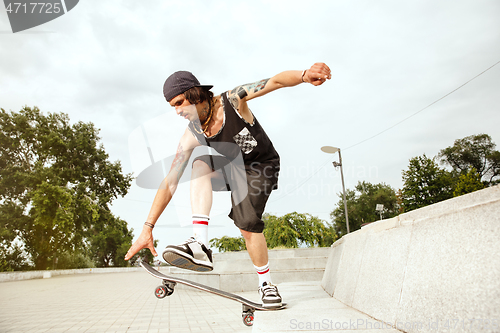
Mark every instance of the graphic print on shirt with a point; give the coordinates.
(245, 140)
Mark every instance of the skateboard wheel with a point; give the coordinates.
(163, 291)
(248, 319)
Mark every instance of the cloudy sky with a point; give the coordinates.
(105, 62)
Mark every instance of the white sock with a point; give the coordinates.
(264, 274)
(200, 228)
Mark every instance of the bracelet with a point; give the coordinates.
(302, 77)
(149, 225)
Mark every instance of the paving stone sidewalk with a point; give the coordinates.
(114, 302)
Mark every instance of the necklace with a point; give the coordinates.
(205, 124)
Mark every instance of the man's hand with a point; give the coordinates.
(145, 241)
(317, 74)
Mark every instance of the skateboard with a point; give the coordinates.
(169, 282)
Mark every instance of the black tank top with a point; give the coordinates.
(249, 140)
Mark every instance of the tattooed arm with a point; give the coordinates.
(316, 75)
(165, 193)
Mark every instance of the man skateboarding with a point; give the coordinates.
(248, 166)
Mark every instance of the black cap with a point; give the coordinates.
(180, 82)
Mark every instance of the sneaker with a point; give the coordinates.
(270, 296)
(191, 255)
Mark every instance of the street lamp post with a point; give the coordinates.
(333, 150)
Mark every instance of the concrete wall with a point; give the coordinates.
(234, 271)
(433, 269)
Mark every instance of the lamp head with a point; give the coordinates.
(330, 149)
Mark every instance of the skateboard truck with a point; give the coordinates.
(247, 315)
(166, 289)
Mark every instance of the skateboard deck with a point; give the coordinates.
(169, 282)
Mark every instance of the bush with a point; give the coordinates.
(228, 244)
(66, 260)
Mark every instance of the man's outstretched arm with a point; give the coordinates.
(164, 195)
(316, 75)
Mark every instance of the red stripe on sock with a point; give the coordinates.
(200, 222)
(263, 272)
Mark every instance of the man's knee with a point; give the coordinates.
(200, 168)
(246, 234)
(249, 235)
(199, 164)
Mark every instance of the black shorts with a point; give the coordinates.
(250, 188)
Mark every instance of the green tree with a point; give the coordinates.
(54, 181)
(228, 244)
(290, 231)
(425, 183)
(294, 230)
(474, 151)
(361, 204)
(467, 183)
(12, 258)
(110, 241)
(280, 232)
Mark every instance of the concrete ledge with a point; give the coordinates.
(244, 281)
(439, 262)
(277, 253)
(16, 276)
(245, 265)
